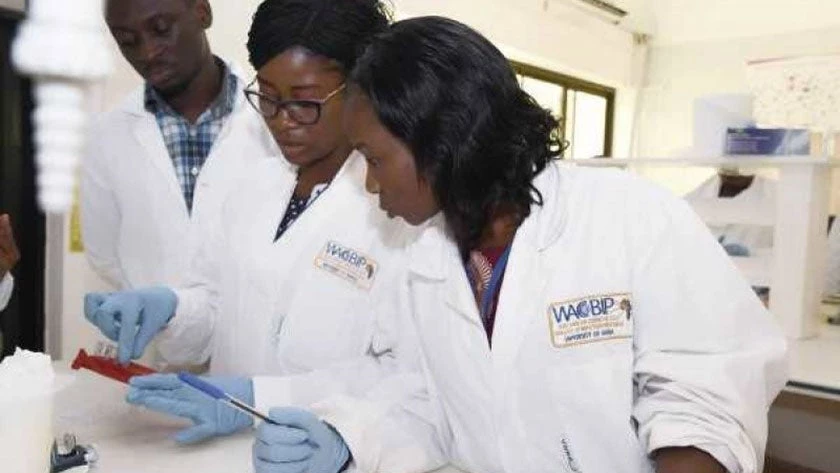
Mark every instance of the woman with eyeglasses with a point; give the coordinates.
(301, 256)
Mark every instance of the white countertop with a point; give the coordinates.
(133, 440)
(815, 364)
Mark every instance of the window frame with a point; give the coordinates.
(579, 85)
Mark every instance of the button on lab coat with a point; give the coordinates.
(136, 228)
(697, 361)
(254, 306)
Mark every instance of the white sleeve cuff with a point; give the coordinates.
(7, 285)
(350, 416)
(186, 338)
(354, 419)
(679, 434)
(188, 304)
(272, 391)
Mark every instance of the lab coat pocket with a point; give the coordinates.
(328, 321)
(593, 400)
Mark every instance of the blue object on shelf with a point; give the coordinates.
(768, 141)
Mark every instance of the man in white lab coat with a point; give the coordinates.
(570, 319)
(739, 210)
(160, 164)
(9, 256)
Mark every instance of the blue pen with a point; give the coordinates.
(220, 395)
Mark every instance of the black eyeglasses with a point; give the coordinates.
(304, 112)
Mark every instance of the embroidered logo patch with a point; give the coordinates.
(590, 319)
(348, 264)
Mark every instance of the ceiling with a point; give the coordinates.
(681, 21)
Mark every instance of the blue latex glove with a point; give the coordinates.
(733, 249)
(167, 394)
(300, 443)
(131, 318)
(736, 249)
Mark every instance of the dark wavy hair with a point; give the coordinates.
(453, 98)
(336, 29)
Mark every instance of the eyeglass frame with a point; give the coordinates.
(282, 104)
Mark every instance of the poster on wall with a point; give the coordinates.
(76, 244)
(14, 5)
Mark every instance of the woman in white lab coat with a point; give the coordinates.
(300, 255)
(570, 319)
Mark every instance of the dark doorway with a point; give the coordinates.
(22, 323)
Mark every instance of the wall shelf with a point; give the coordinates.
(713, 161)
(799, 235)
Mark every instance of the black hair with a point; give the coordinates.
(336, 29)
(453, 98)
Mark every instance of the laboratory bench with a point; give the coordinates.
(814, 365)
(129, 439)
(804, 420)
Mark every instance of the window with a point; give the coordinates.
(585, 109)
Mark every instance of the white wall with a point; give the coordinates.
(555, 39)
(679, 73)
(689, 21)
(560, 39)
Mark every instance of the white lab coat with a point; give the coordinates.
(697, 361)
(7, 285)
(136, 227)
(746, 219)
(254, 306)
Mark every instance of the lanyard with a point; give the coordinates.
(493, 286)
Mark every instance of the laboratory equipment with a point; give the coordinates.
(62, 46)
(27, 385)
(68, 456)
(216, 393)
(104, 363)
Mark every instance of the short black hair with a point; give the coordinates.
(453, 98)
(336, 29)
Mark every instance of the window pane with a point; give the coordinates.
(547, 94)
(586, 124)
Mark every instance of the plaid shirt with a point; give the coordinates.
(190, 143)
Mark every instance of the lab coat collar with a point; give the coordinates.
(430, 252)
(134, 103)
(549, 219)
(434, 249)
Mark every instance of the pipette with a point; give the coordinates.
(220, 395)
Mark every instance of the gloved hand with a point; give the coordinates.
(736, 249)
(167, 394)
(300, 443)
(733, 249)
(131, 318)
